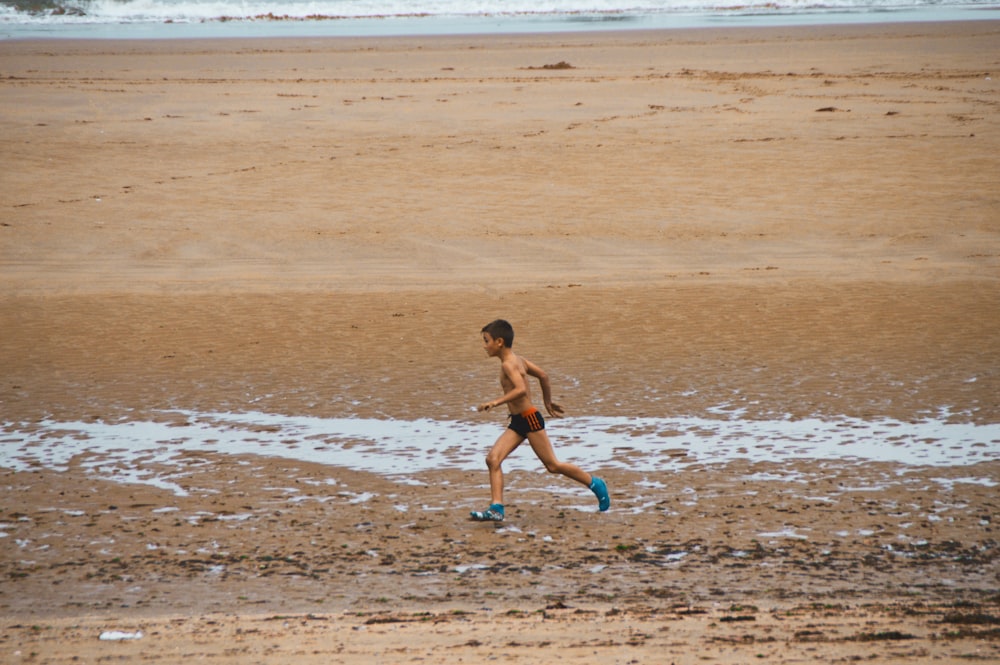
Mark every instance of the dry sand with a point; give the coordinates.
(791, 221)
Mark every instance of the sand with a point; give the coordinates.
(785, 223)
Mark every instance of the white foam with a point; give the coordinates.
(115, 635)
(790, 533)
(198, 10)
(384, 17)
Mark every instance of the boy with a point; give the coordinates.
(526, 421)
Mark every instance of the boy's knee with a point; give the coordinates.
(492, 462)
(553, 467)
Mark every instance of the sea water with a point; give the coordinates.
(215, 18)
(129, 451)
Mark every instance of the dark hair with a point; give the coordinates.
(500, 329)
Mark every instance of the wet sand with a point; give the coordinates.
(777, 223)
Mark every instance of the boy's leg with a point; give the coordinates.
(504, 446)
(543, 449)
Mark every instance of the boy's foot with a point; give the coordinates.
(600, 488)
(492, 514)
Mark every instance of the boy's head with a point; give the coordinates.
(500, 329)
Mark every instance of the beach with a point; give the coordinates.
(705, 236)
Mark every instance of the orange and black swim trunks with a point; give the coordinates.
(528, 421)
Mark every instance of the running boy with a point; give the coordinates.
(526, 421)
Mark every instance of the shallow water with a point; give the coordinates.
(127, 451)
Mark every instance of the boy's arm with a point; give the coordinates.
(543, 380)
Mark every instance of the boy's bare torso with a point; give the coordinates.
(515, 365)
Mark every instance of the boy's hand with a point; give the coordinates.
(485, 406)
(554, 410)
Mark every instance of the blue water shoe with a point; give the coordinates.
(492, 514)
(600, 488)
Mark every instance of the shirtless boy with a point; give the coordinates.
(526, 421)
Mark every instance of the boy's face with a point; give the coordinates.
(492, 346)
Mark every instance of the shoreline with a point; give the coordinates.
(483, 26)
(700, 34)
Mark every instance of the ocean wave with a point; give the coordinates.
(193, 11)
